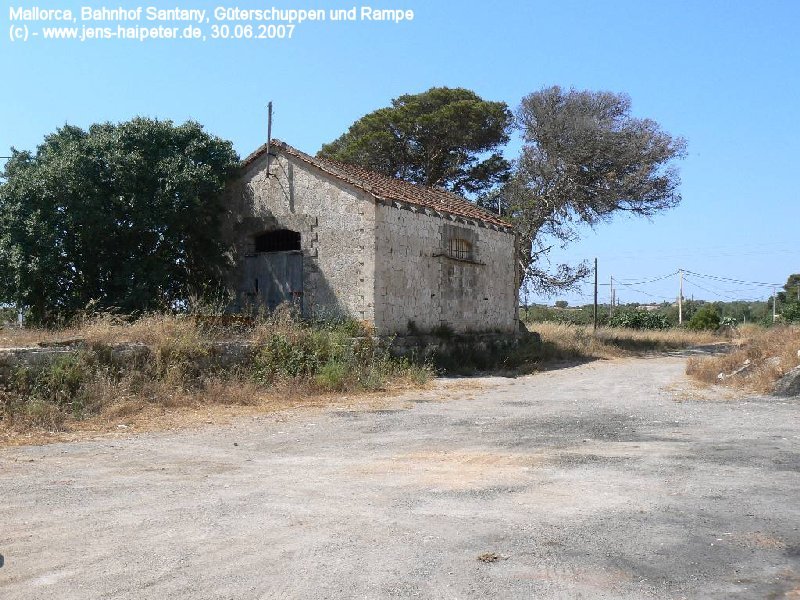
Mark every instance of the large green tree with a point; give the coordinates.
(122, 215)
(446, 137)
(585, 158)
(789, 299)
(791, 289)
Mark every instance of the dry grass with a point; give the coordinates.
(285, 363)
(770, 352)
(223, 402)
(124, 411)
(567, 341)
(13, 337)
(291, 365)
(152, 330)
(109, 329)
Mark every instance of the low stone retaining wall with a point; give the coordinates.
(221, 355)
(227, 355)
(13, 358)
(427, 346)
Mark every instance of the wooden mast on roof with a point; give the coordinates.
(269, 134)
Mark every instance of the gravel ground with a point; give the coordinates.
(611, 479)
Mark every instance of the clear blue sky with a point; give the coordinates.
(725, 75)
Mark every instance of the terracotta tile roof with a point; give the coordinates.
(389, 189)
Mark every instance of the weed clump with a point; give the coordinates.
(336, 356)
(120, 366)
(759, 358)
(44, 397)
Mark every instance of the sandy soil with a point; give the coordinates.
(612, 479)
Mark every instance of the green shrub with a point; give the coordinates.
(341, 325)
(418, 373)
(706, 318)
(332, 376)
(281, 356)
(577, 316)
(791, 312)
(326, 354)
(374, 378)
(59, 383)
(8, 314)
(639, 319)
(42, 396)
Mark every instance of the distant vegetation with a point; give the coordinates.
(638, 319)
(660, 316)
(705, 319)
(8, 314)
(762, 350)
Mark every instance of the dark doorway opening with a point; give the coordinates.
(280, 240)
(274, 272)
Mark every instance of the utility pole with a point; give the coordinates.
(611, 307)
(269, 134)
(774, 305)
(680, 298)
(595, 294)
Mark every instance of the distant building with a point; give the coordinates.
(341, 240)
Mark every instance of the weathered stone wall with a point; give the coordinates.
(220, 356)
(374, 262)
(417, 281)
(432, 347)
(31, 358)
(336, 223)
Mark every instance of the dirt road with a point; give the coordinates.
(606, 480)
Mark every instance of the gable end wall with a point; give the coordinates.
(336, 222)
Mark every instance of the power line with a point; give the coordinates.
(713, 290)
(641, 291)
(649, 280)
(687, 280)
(718, 278)
(739, 250)
(750, 287)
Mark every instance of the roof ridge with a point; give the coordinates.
(385, 187)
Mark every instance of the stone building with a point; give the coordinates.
(341, 240)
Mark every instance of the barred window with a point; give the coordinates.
(460, 249)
